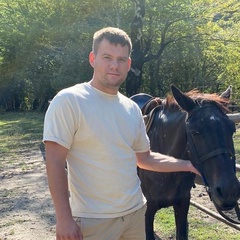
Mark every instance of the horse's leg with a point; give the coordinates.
(149, 220)
(181, 219)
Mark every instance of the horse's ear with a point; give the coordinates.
(227, 93)
(185, 102)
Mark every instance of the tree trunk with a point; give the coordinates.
(134, 78)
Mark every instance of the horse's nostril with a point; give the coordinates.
(219, 192)
(226, 193)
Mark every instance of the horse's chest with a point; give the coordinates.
(166, 186)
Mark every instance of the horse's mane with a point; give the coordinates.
(201, 98)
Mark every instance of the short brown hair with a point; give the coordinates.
(113, 35)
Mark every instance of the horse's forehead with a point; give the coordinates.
(210, 112)
(214, 118)
(208, 118)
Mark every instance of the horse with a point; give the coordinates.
(191, 126)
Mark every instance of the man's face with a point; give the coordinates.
(111, 64)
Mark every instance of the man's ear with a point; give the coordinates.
(129, 63)
(91, 58)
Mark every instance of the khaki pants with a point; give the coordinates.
(129, 227)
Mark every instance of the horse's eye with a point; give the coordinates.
(194, 133)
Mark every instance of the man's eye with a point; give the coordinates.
(122, 60)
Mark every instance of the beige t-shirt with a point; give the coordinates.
(102, 133)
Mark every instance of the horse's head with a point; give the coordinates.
(210, 144)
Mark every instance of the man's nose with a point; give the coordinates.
(114, 64)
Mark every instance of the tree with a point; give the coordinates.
(44, 46)
(173, 37)
(167, 23)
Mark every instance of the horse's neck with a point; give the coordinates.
(169, 132)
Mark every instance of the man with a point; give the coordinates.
(102, 135)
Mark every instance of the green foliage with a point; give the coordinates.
(201, 51)
(44, 46)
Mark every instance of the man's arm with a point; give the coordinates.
(66, 227)
(162, 163)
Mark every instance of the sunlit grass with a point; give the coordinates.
(20, 131)
(199, 229)
(236, 139)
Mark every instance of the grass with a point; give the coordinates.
(20, 130)
(236, 139)
(199, 229)
(23, 132)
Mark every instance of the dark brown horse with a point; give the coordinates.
(189, 126)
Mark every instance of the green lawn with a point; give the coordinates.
(237, 144)
(20, 132)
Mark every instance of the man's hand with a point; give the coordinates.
(68, 230)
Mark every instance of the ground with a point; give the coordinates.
(26, 209)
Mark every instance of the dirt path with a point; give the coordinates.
(26, 210)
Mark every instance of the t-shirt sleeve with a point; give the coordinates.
(141, 143)
(60, 122)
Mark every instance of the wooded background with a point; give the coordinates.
(44, 46)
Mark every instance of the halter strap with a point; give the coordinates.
(198, 160)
